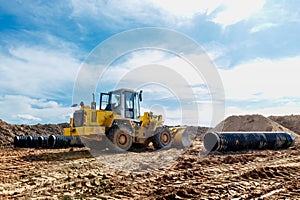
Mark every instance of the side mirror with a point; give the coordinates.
(140, 95)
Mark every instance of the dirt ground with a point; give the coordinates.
(59, 174)
(76, 174)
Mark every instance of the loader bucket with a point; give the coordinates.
(183, 136)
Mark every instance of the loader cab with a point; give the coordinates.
(125, 102)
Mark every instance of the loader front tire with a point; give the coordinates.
(120, 138)
(162, 139)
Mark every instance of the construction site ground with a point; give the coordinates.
(76, 174)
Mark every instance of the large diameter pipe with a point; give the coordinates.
(42, 141)
(20, 141)
(60, 141)
(235, 141)
(31, 141)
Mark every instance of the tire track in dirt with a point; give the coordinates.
(46, 175)
(59, 173)
(218, 176)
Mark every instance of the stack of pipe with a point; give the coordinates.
(52, 141)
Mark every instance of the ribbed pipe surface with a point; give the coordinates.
(235, 141)
(60, 141)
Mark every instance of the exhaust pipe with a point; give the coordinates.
(236, 141)
(93, 103)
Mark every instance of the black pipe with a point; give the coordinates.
(235, 141)
(31, 141)
(42, 141)
(20, 141)
(60, 141)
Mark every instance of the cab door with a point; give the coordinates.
(131, 105)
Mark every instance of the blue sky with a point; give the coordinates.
(254, 45)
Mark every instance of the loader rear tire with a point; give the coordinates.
(120, 138)
(162, 139)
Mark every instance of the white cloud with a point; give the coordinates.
(165, 12)
(188, 8)
(262, 79)
(214, 49)
(37, 75)
(23, 109)
(236, 10)
(147, 57)
(271, 82)
(114, 14)
(217, 53)
(224, 12)
(131, 61)
(37, 71)
(275, 13)
(27, 117)
(262, 27)
(286, 109)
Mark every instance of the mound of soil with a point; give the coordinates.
(9, 131)
(251, 123)
(291, 122)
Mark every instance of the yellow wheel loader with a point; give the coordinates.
(115, 123)
(118, 119)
